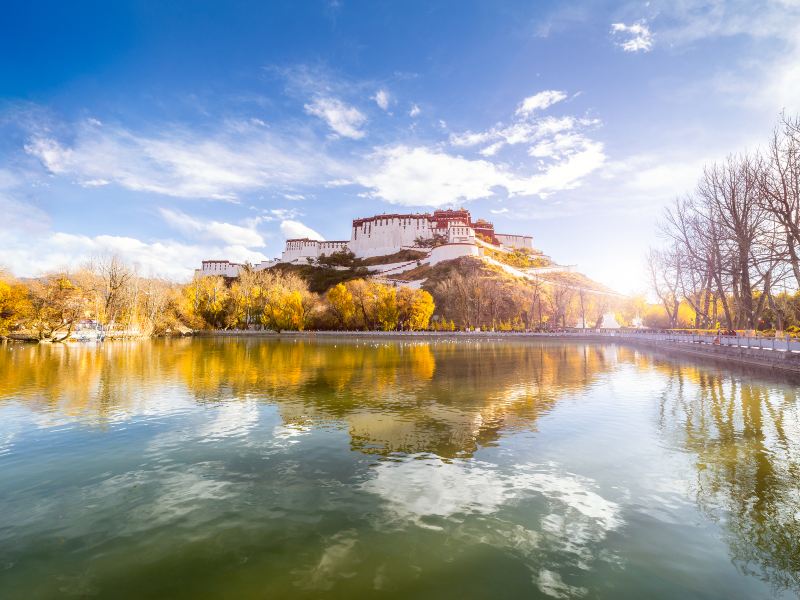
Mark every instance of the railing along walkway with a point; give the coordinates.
(738, 341)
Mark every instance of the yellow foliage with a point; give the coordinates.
(387, 313)
(203, 302)
(342, 304)
(287, 303)
(415, 308)
(422, 308)
(14, 304)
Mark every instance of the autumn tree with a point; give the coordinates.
(341, 302)
(561, 297)
(387, 312)
(415, 309)
(365, 299)
(248, 297)
(56, 305)
(14, 303)
(203, 302)
(155, 310)
(287, 302)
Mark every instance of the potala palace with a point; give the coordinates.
(441, 235)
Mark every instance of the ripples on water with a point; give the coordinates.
(263, 468)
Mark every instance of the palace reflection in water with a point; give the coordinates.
(557, 467)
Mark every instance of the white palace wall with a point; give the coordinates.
(299, 250)
(380, 236)
(451, 251)
(224, 268)
(515, 241)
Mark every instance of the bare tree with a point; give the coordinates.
(561, 299)
(731, 191)
(695, 232)
(665, 276)
(725, 248)
(780, 187)
(114, 285)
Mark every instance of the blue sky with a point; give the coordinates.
(170, 132)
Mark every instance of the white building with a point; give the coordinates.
(224, 268)
(455, 232)
(383, 235)
(298, 250)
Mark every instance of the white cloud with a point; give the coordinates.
(565, 154)
(344, 119)
(653, 179)
(295, 229)
(559, 145)
(414, 112)
(382, 99)
(551, 125)
(29, 257)
(492, 149)
(18, 218)
(691, 20)
(29, 247)
(8, 179)
(422, 176)
(635, 37)
(573, 164)
(471, 138)
(225, 232)
(540, 101)
(521, 131)
(294, 197)
(427, 177)
(237, 158)
(334, 183)
(277, 214)
(765, 80)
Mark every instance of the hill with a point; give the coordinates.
(484, 292)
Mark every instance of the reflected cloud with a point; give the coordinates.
(338, 561)
(420, 486)
(472, 499)
(550, 583)
(232, 419)
(288, 433)
(426, 486)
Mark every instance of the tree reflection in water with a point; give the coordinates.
(445, 398)
(745, 436)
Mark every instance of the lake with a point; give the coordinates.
(266, 468)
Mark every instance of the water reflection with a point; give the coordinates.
(446, 398)
(745, 440)
(290, 463)
(432, 493)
